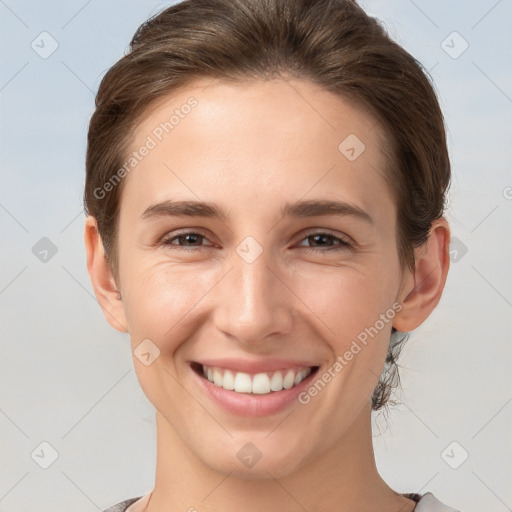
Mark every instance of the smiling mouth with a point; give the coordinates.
(258, 383)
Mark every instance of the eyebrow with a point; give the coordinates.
(301, 209)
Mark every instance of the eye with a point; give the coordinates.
(191, 239)
(328, 241)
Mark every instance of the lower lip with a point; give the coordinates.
(250, 404)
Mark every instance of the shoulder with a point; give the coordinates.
(123, 505)
(429, 503)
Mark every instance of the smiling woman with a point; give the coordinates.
(270, 251)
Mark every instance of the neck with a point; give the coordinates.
(342, 479)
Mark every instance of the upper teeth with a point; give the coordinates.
(260, 383)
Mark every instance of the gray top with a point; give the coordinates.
(425, 503)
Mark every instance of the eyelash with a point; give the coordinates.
(343, 244)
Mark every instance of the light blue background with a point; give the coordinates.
(67, 378)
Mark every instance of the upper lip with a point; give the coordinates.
(255, 366)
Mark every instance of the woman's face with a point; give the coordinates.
(257, 238)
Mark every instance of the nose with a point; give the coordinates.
(253, 302)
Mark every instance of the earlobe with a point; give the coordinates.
(424, 289)
(102, 279)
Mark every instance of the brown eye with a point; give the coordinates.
(326, 240)
(186, 239)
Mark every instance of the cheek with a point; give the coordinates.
(162, 305)
(161, 296)
(355, 311)
(340, 301)
(345, 300)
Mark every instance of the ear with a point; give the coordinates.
(422, 291)
(102, 279)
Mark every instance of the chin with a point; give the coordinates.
(260, 460)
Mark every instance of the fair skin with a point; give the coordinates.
(250, 149)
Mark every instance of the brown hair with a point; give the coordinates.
(333, 43)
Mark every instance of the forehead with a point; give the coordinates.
(216, 140)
